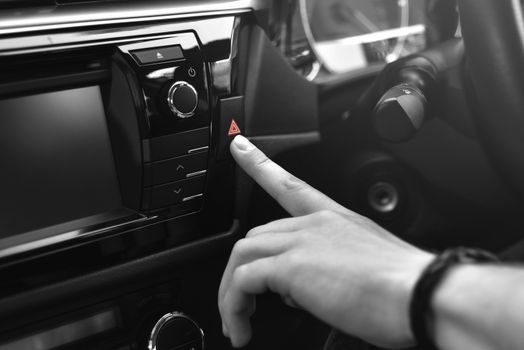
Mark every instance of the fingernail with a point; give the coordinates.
(242, 143)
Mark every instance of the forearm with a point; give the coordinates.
(481, 308)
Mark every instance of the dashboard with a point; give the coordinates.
(120, 202)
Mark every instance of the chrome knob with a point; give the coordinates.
(182, 99)
(175, 330)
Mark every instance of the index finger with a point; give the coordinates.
(294, 195)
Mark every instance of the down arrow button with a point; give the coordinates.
(177, 192)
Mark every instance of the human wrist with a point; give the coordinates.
(471, 303)
(449, 305)
(433, 280)
(413, 273)
(401, 285)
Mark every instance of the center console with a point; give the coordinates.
(117, 184)
(101, 135)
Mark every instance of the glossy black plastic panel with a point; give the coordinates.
(57, 160)
(158, 55)
(175, 169)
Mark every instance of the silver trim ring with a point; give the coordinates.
(152, 344)
(170, 96)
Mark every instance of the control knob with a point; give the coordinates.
(182, 99)
(400, 113)
(175, 330)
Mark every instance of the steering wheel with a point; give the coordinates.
(493, 32)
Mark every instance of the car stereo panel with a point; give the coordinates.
(112, 128)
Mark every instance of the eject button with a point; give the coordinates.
(158, 55)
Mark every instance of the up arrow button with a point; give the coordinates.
(175, 169)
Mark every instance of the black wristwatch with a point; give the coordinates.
(420, 310)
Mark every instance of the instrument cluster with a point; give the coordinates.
(331, 37)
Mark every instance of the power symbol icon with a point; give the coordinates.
(192, 72)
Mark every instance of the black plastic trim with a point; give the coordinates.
(118, 279)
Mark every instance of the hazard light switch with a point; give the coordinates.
(233, 128)
(231, 124)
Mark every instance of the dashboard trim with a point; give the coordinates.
(72, 236)
(68, 17)
(221, 27)
(52, 297)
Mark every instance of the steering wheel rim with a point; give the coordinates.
(493, 32)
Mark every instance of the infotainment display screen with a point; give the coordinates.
(56, 160)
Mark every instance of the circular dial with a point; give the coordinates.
(337, 19)
(182, 99)
(174, 330)
(351, 34)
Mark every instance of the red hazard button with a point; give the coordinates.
(233, 128)
(231, 124)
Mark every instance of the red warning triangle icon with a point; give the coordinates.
(233, 128)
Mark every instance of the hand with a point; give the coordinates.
(328, 260)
